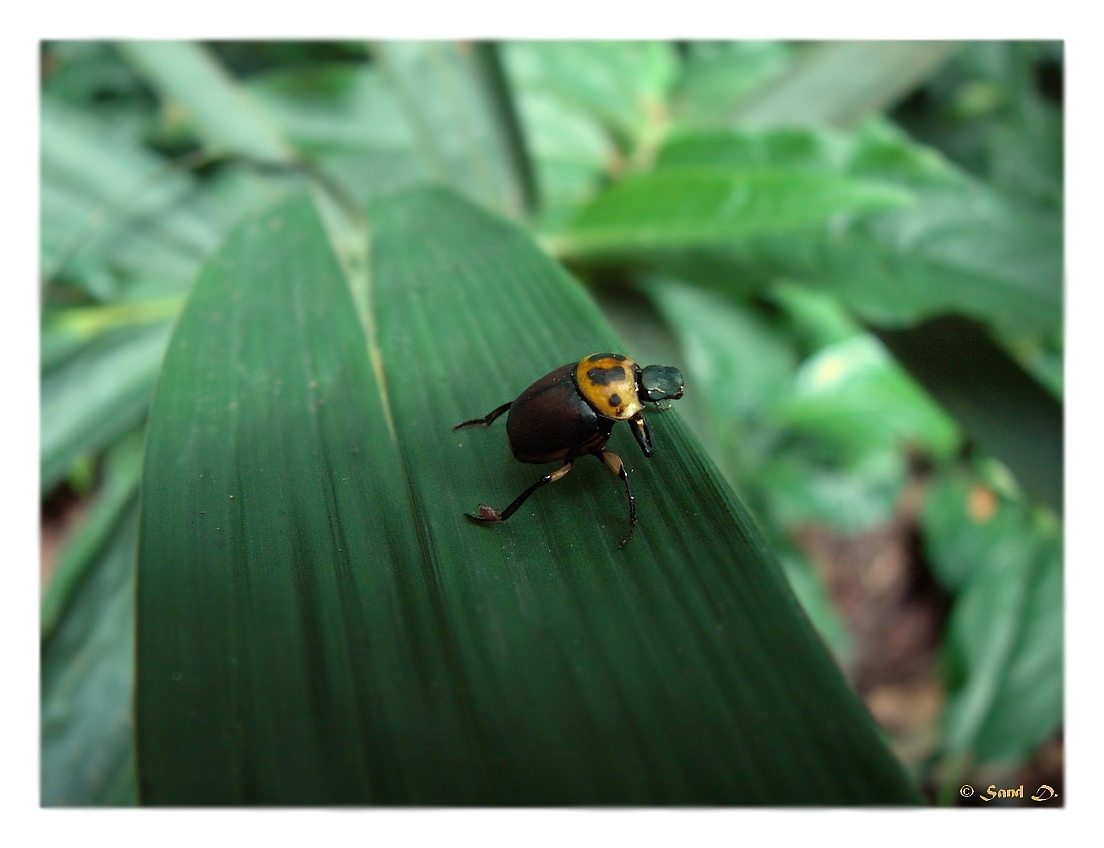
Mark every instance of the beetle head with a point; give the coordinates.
(660, 382)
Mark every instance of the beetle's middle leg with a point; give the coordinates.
(613, 463)
(487, 419)
(487, 513)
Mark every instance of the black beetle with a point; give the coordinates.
(570, 412)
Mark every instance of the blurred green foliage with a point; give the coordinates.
(758, 246)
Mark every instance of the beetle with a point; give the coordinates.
(570, 412)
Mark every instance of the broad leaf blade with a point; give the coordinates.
(653, 674)
(272, 509)
(339, 632)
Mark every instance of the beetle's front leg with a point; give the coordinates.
(642, 433)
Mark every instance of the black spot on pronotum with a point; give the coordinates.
(605, 376)
(615, 400)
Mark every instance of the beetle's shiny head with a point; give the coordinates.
(660, 382)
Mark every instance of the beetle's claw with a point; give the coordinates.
(486, 513)
(625, 541)
(632, 529)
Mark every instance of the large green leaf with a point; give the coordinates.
(957, 247)
(266, 487)
(318, 622)
(681, 208)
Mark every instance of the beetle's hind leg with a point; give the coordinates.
(487, 513)
(486, 420)
(613, 463)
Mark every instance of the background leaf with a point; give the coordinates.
(838, 83)
(717, 76)
(853, 397)
(956, 247)
(819, 441)
(622, 84)
(114, 500)
(462, 119)
(97, 396)
(115, 220)
(996, 109)
(682, 208)
(87, 677)
(1003, 658)
(346, 119)
(223, 111)
(997, 403)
